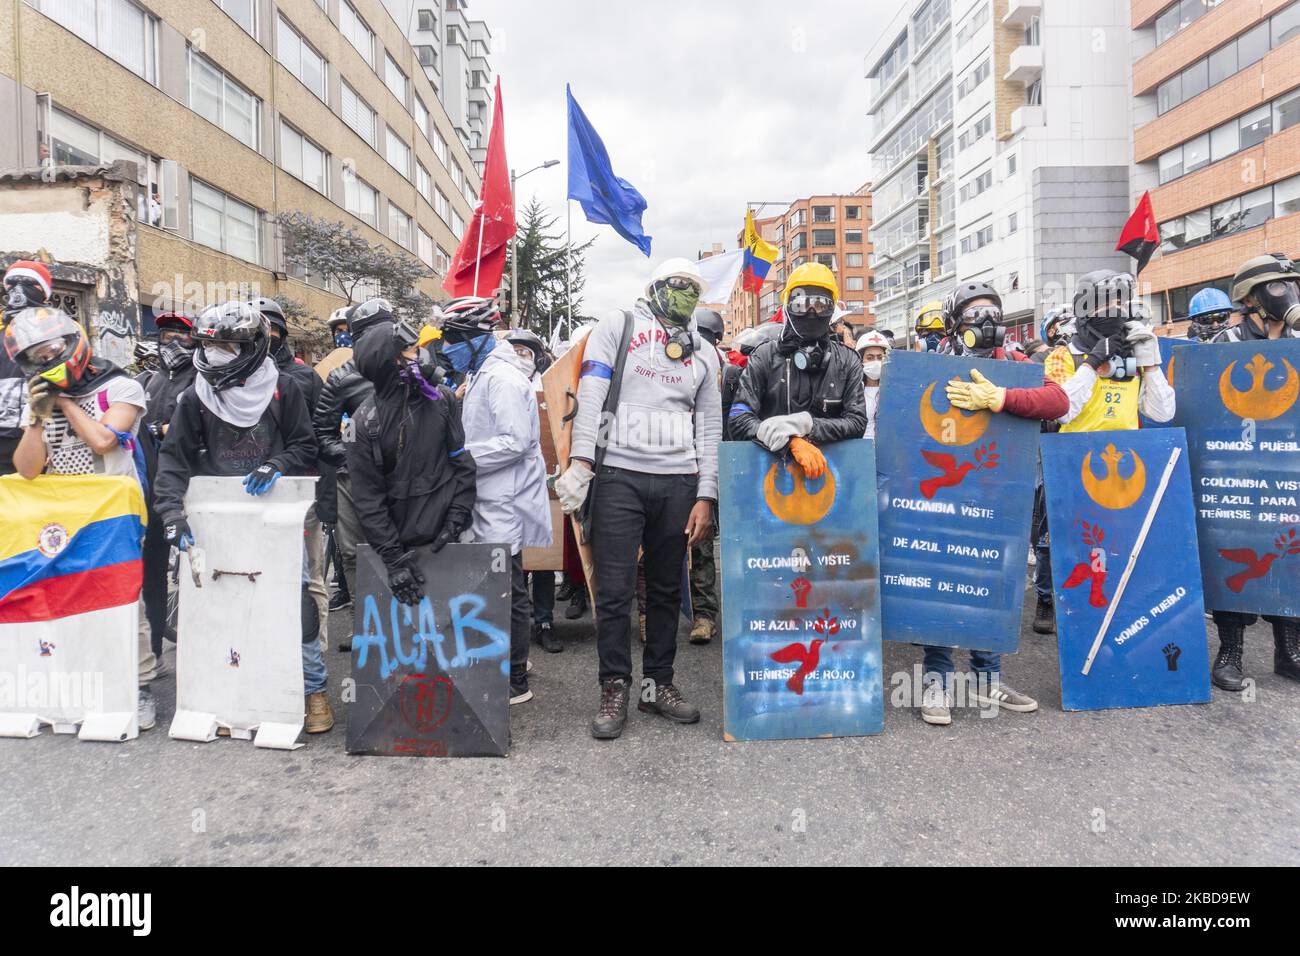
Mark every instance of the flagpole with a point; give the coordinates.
(568, 260)
(478, 262)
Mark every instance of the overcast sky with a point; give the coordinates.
(702, 108)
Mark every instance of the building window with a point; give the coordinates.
(975, 132)
(399, 226)
(853, 260)
(425, 21)
(360, 199)
(424, 183)
(823, 213)
(854, 283)
(221, 101)
(823, 237)
(825, 258)
(70, 142)
(359, 35)
(852, 212)
(442, 206)
(223, 223)
(1231, 216)
(972, 25)
(242, 12)
(117, 28)
(397, 153)
(853, 237)
(973, 79)
(395, 79)
(457, 224)
(439, 147)
(1228, 138)
(443, 261)
(300, 59)
(1034, 93)
(1229, 59)
(458, 177)
(422, 117)
(358, 114)
(1011, 165)
(427, 56)
(1012, 223)
(424, 248)
(300, 157)
(1180, 15)
(980, 184)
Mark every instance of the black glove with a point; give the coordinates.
(1101, 352)
(405, 580)
(451, 530)
(177, 533)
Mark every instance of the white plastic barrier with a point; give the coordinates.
(239, 632)
(78, 670)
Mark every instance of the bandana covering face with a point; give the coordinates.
(343, 339)
(410, 373)
(675, 305)
(469, 356)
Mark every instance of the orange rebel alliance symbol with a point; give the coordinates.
(1259, 402)
(1113, 491)
(800, 506)
(953, 427)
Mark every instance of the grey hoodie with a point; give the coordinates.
(669, 416)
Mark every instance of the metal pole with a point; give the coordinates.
(478, 262)
(514, 261)
(568, 260)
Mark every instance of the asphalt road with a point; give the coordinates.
(1209, 784)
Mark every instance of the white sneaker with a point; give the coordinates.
(936, 704)
(146, 712)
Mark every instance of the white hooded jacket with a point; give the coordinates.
(503, 433)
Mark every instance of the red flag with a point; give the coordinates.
(481, 257)
(1140, 236)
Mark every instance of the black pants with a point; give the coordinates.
(8, 445)
(1244, 619)
(521, 613)
(154, 587)
(543, 597)
(633, 509)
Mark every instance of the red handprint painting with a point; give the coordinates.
(801, 587)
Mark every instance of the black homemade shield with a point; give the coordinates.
(433, 680)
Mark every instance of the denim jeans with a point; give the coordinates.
(520, 612)
(939, 660)
(543, 597)
(314, 676)
(1041, 543)
(634, 510)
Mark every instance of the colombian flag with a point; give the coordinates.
(68, 545)
(759, 256)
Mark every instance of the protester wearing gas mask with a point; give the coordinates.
(1110, 368)
(973, 327)
(929, 327)
(26, 284)
(804, 389)
(1267, 288)
(644, 474)
(873, 347)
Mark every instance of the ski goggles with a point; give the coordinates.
(819, 304)
(979, 314)
(682, 283)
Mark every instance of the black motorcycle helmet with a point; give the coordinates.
(363, 315)
(978, 332)
(467, 317)
(239, 323)
(1103, 299)
(709, 324)
(748, 341)
(541, 357)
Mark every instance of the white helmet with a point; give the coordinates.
(676, 266)
(873, 339)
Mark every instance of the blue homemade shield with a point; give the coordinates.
(801, 605)
(1169, 365)
(1100, 488)
(956, 496)
(1238, 404)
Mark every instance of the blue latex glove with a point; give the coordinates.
(260, 482)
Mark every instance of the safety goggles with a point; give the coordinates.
(979, 314)
(819, 304)
(682, 283)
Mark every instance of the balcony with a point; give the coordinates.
(1020, 12)
(1025, 64)
(1026, 116)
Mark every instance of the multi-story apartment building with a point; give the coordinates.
(235, 111)
(999, 151)
(1216, 111)
(454, 51)
(830, 229)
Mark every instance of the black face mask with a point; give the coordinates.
(23, 295)
(175, 355)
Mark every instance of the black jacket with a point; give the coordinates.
(199, 443)
(163, 390)
(344, 392)
(730, 382)
(771, 385)
(407, 461)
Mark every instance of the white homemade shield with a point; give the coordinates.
(72, 670)
(239, 629)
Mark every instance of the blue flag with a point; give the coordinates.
(604, 197)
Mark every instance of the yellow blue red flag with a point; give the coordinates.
(68, 545)
(759, 256)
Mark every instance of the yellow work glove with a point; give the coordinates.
(40, 399)
(977, 394)
(809, 457)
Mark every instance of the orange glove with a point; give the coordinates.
(809, 457)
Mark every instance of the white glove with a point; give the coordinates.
(1146, 347)
(775, 433)
(571, 487)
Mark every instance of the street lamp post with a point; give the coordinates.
(514, 243)
(907, 300)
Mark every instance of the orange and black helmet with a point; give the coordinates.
(50, 343)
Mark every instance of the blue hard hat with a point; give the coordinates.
(1209, 302)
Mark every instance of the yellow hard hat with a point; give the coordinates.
(428, 333)
(930, 318)
(811, 273)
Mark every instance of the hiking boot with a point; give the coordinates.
(519, 692)
(936, 704)
(544, 635)
(1044, 618)
(319, 716)
(666, 701)
(340, 602)
(577, 604)
(146, 711)
(702, 630)
(564, 591)
(1226, 672)
(1286, 648)
(612, 715)
(1003, 696)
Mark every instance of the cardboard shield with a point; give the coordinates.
(560, 384)
(1130, 618)
(433, 680)
(1238, 404)
(70, 574)
(239, 625)
(801, 601)
(956, 497)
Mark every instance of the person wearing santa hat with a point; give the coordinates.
(26, 284)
